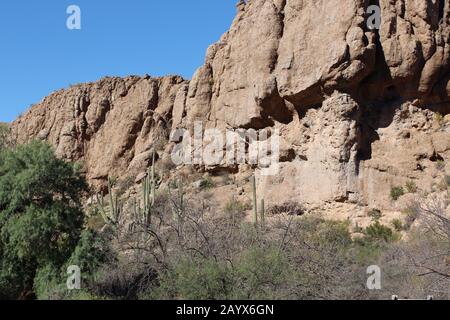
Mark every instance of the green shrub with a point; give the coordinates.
(375, 214)
(333, 232)
(442, 185)
(206, 183)
(411, 187)
(411, 215)
(256, 274)
(379, 232)
(446, 181)
(396, 193)
(397, 224)
(259, 272)
(90, 254)
(233, 207)
(200, 279)
(439, 118)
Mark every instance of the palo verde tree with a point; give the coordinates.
(40, 215)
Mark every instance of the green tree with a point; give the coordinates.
(40, 215)
(92, 252)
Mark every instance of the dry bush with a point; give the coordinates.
(289, 208)
(420, 266)
(191, 251)
(316, 255)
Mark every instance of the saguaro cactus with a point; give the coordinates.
(262, 212)
(112, 214)
(178, 202)
(148, 195)
(255, 204)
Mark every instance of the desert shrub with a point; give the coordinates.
(206, 183)
(411, 214)
(396, 193)
(256, 273)
(197, 279)
(234, 207)
(447, 180)
(49, 283)
(375, 214)
(122, 281)
(444, 184)
(379, 232)
(411, 187)
(397, 224)
(93, 251)
(439, 118)
(417, 267)
(294, 259)
(333, 232)
(261, 273)
(289, 208)
(94, 219)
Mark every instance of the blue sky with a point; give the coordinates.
(38, 54)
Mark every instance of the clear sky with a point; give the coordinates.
(38, 54)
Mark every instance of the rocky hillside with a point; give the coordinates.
(359, 110)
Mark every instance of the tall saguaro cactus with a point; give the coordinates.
(148, 195)
(110, 214)
(262, 213)
(255, 203)
(178, 201)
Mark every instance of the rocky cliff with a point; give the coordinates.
(359, 110)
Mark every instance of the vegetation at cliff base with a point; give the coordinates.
(41, 217)
(175, 246)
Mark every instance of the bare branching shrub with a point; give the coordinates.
(420, 266)
(189, 250)
(289, 207)
(411, 213)
(123, 281)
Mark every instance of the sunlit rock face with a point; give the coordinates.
(356, 107)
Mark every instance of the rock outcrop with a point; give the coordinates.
(109, 126)
(356, 107)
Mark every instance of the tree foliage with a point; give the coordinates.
(40, 215)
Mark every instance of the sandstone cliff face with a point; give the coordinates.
(109, 126)
(356, 107)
